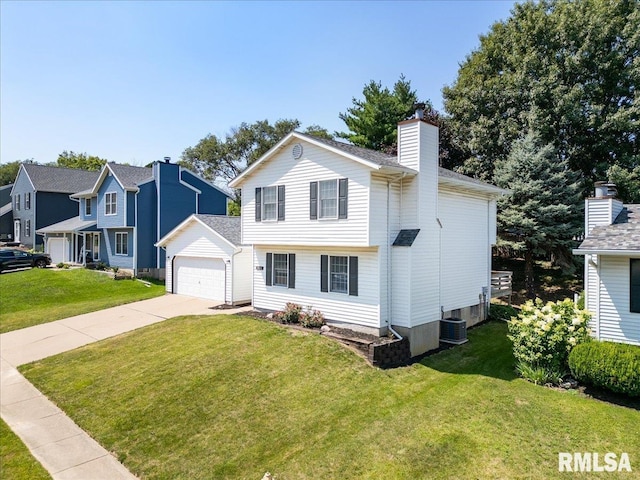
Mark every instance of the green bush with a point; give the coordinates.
(614, 366)
(291, 313)
(60, 265)
(502, 312)
(543, 336)
(101, 266)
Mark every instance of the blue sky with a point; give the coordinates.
(136, 81)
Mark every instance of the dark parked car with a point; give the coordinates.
(15, 258)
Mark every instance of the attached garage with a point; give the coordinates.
(206, 260)
(200, 277)
(58, 248)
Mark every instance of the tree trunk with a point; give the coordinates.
(529, 281)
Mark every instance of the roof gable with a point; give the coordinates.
(127, 176)
(45, 178)
(227, 228)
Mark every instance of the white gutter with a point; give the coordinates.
(617, 253)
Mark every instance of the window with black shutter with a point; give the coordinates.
(281, 270)
(339, 274)
(270, 204)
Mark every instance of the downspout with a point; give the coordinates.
(236, 252)
(389, 262)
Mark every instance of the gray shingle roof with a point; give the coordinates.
(75, 224)
(623, 234)
(384, 159)
(59, 180)
(228, 227)
(130, 176)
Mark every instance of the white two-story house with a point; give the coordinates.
(371, 240)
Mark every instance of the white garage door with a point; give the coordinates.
(58, 249)
(199, 277)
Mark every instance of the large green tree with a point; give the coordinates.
(9, 171)
(224, 158)
(373, 120)
(70, 159)
(543, 212)
(628, 183)
(568, 69)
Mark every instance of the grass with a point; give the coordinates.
(35, 296)
(234, 397)
(15, 460)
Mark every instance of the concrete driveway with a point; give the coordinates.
(63, 448)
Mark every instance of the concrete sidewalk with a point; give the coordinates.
(62, 447)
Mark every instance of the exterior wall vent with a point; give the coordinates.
(453, 330)
(296, 151)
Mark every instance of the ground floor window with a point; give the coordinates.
(281, 270)
(339, 274)
(122, 243)
(635, 285)
(27, 228)
(96, 246)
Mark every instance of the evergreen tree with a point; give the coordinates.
(543, 213)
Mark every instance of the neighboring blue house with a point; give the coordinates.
(127, 210)
(6, 214)
(41, 197)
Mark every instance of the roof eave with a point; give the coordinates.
(190, 219)
(484, 189)
(607, 252)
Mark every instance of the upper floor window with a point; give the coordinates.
(339, 274)
(18, 202)
(27, 201)
(270, 203)
(122, 243)
(281, 270)
(328, 199)
(87, 206)
(110, 205)
(634, 285)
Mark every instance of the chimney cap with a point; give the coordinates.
(419, 108)
(167, 159)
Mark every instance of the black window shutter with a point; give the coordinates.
(353, 276)
(343, 194)
(313, 202)
(258, 204)
(292, 270)
(280, 203)
(324, 273)
(635, 286)
(269, 269)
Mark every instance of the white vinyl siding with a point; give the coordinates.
(363, 309)
(592, 291)
(317, 164)
(197, 241)
(122, 243)
(601, 211)
(111, 203)
(465, 257)
(616, 322)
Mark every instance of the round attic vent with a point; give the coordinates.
(296, 151)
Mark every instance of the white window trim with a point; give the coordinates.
(273, 271)
(27, 228)
(27, 201)
(126, 234)
(106, 202)
(95, 253)
(87, 201)
(18, 201)
(346, 292)
(337, 198)
(264, 204)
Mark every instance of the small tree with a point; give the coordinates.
(543, 212)
(70, 159)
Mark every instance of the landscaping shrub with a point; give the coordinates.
(502, 312)
(115, 269)
(614, 366)
(311, 318)
(543, 336)
(101, 266)
(291, 313)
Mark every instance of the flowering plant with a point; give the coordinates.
(543, 335)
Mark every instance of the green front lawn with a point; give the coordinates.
(234, 397)
(15, 460)
(31, 297)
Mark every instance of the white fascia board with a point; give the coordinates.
(184, 225)
(613, 253)
(236, 182)
(484, 190)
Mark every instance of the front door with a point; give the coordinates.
(16, 231)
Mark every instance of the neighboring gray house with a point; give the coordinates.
(40, 197)
(6, 214)
(612, 266)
